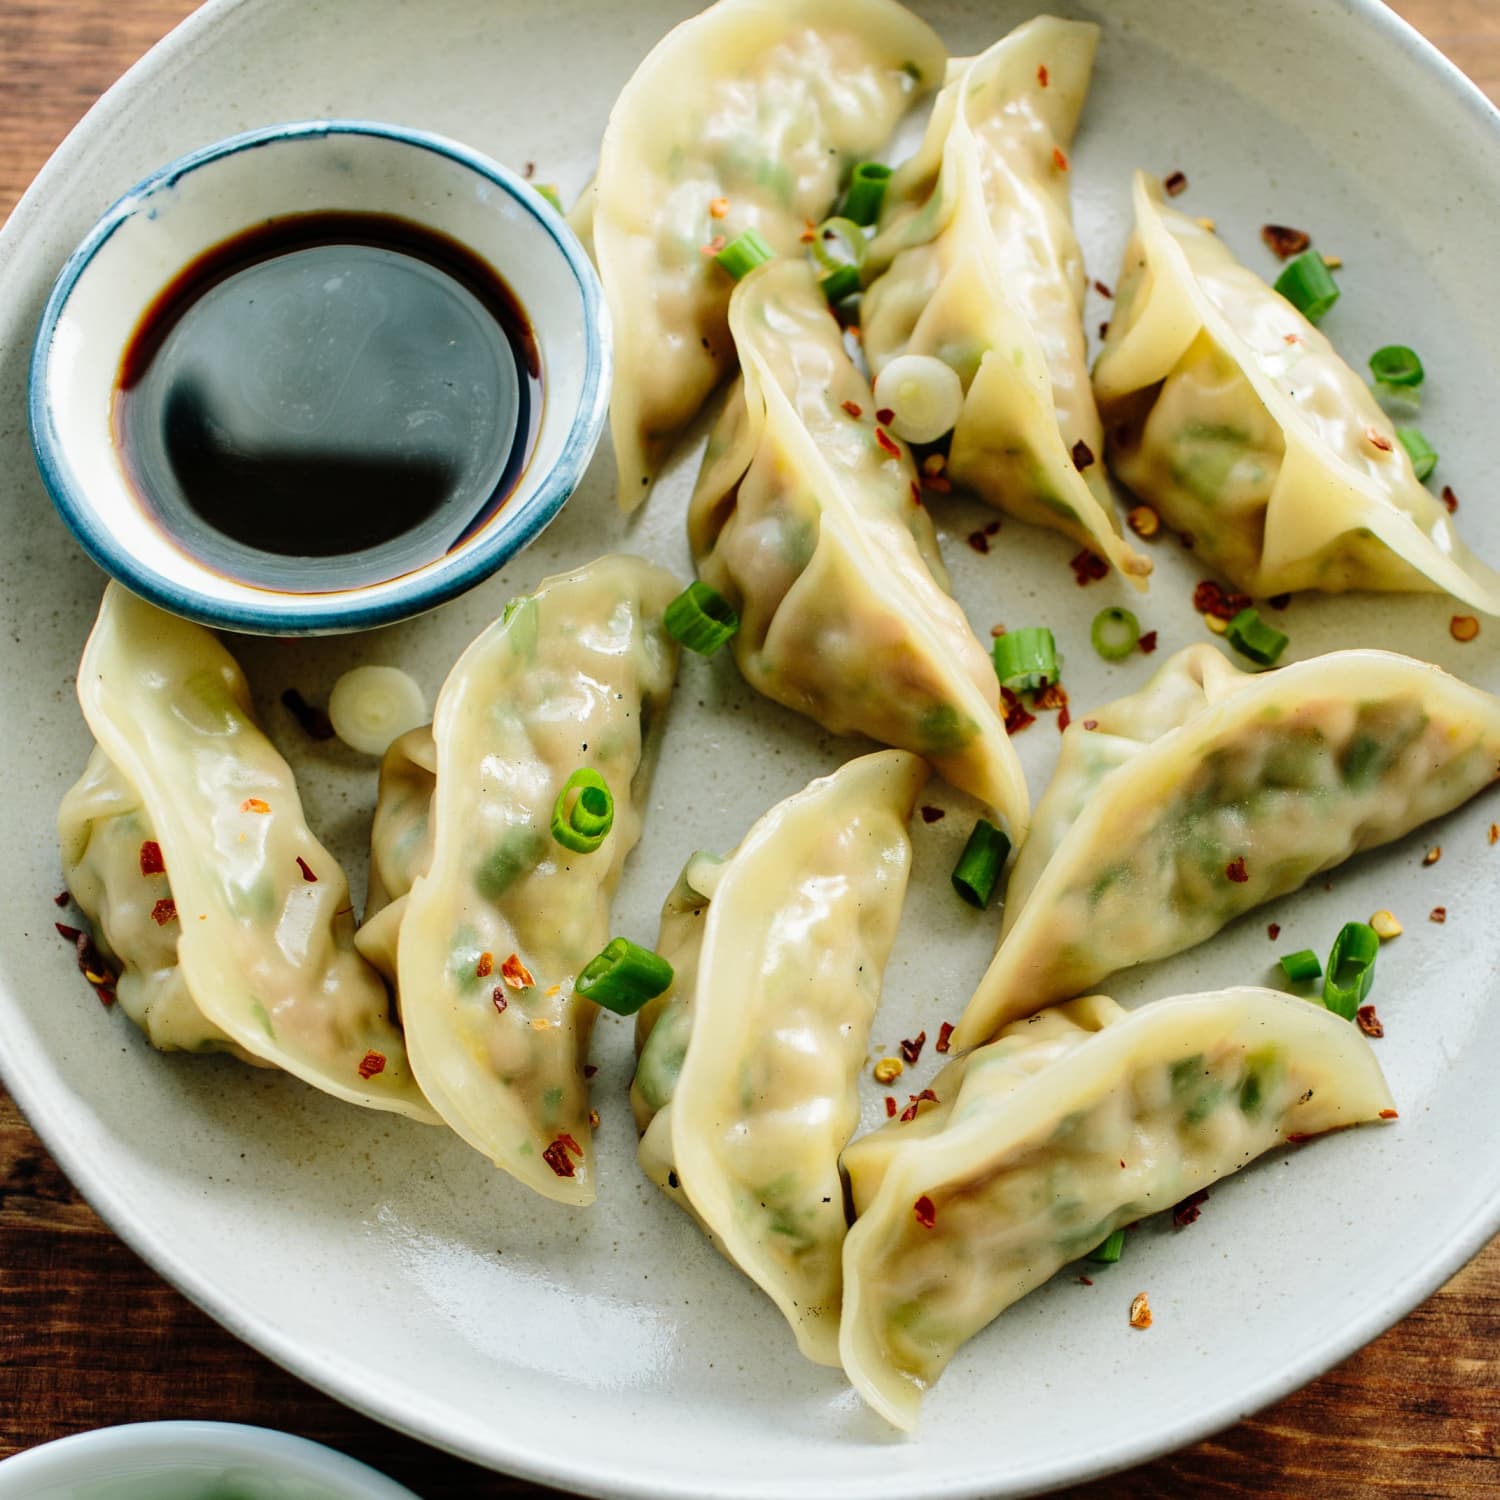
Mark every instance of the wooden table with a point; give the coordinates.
(90, 1336)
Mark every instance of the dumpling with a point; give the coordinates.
(746, 1086)
(747, 116)
(977, 264)
(807, 521)
(186, 845)
(489, 919)
(1237, 420)
(1018, 1169)
(1213, 790)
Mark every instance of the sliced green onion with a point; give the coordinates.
(866, 192)
(580, 823)
(1422, 454)
(1308, 285)
(550, 194)
(840, 284)
(1025, 659)
(1114, 633)
(923, 395)
(371, 706)
(1397, 365)
(744, 253)
(1399, 402)
(1109, 1252)
(979, 866)
(1300, 966)
(1351, 969)
(839, 242)
(624, 977)
(701, 618)
(1252, 637)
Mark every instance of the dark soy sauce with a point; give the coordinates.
(328, 400)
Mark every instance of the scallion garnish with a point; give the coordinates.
(866, 192)
(837, 243)
(1397, 365)
(1109, 1251)
(581, 822)
(624, 977)
(744, 253)
(1351, 969)
(1115, 633)
(1422, 454)
(840, 284)
(550, 194)
(978, 869)
(1300, 966)
(701, 618)
(1025, 659)
(1252, 637)
(1308, 285)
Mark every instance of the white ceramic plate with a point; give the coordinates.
(611, 1350)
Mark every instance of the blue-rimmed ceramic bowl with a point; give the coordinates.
(208, 197)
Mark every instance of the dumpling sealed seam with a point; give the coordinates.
(1059, 1132)
(480, 914)
(1212, 791)
(976, 264)
(744, 117)
(1239, 422)
(746, 1087)
(808, 520)
(186, 844)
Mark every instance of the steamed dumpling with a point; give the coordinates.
(808, 521)
(1056, 1134)
(747, 116)
(1239, 422)
(978, 266)
(1212, 791)
(746, 1086)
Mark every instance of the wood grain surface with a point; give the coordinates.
(90, 1336)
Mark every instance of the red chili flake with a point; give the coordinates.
(61, 898)
(1175, 184)
(1450, 499)
(713, 247)
(1283, 242)
(810, 233)
(1016, 717)
(885, 415)
(164, 911)
(254, 805)
(925, 1211)
(1147, 643)
(1210, 598)
(571, 1144)
(1190, 1208)
(151, 861)
(556, 1157)
(887, 442)
(1103, 290)
(1042, 76)
(485, 966)
(371, 1064)
(933, 814)
(1104, 329)
(1087, 567)
(307, 873)
(1083, 455)
(911, 1049)
(1091, 723)
(979, 541)
(1377, 439)
(1297, 1137)
(68, 934)
(944, 1036)
(1279, 601)
(917, 1100)
(1059, 158)
(516, 974)
(993, 529)
(1438, 914)
(497, 995)
(1140, 1311)
(1064, 718)
(1236, 870)
(312, 720)
(1369, 1022)
(890, 1107)
(1433, 855)
(1495, 833)
(916, 493)
(529, 171)
(1085, 1281)
(939, 484)
(1273, 930)
(854, 409)
(1052, 695)
(589, 1069)
(1389, 1114)
(718, 207)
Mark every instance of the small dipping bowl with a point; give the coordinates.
(250, 188)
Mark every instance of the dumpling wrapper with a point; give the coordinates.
(1211, 791)
(265, 927)
(764, 104)
(1017, 1170)
(747, 1082)
(808, 525)
(1239, 422)
(573, 675)
(977, 264)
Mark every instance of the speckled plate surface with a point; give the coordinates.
(611, 1350)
